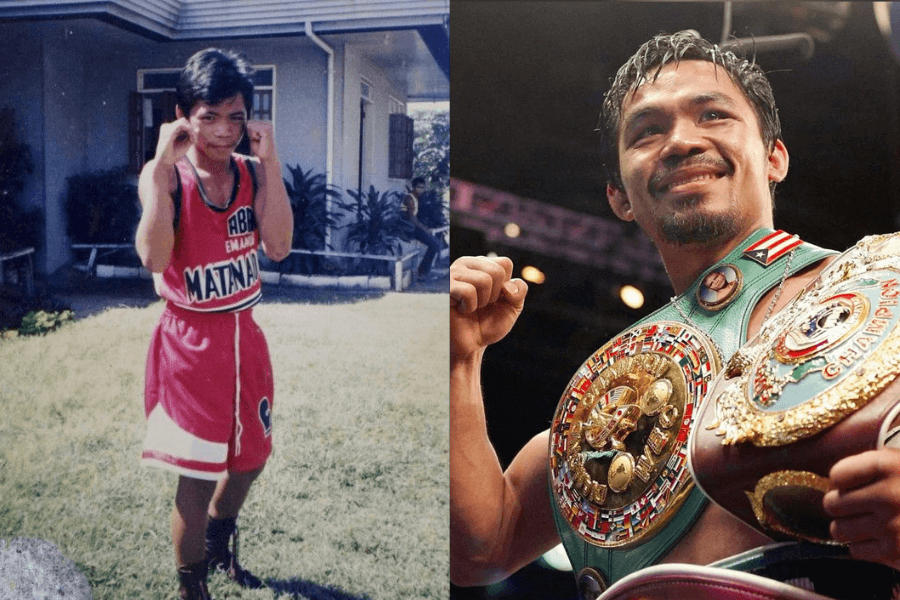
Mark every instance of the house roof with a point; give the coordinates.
(421, 26)
(205, 19)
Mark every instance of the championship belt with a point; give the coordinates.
(817, 383)
(622, 491)
(618, 452)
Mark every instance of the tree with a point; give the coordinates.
(431, 147)
(432, 162)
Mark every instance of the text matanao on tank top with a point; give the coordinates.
(215, 260)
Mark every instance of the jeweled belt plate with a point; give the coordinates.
(825, 356)
(804, 393)
(618, 443)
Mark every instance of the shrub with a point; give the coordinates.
(41, 322)
(102, 207)
(379, 226)
(19, 227)
(309, 196)
(16, 314)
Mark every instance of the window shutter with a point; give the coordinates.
(401, 147)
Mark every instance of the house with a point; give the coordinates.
(90, 81)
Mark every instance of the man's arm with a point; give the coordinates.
(272, 206)
(499, 521)
(155, 235)
(407, 207)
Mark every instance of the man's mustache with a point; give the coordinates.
(719, 165)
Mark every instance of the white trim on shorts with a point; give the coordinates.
(169, 446)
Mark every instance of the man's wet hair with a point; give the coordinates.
(212, 76)
(665, 49)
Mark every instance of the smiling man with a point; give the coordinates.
(693, 149)
(208, 392)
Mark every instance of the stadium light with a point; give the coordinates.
(631, 296)
(533, 274)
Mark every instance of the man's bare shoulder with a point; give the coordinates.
(537, 449)
(156, 170)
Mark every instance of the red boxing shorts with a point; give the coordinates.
(208, 394)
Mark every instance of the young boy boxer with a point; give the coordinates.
(208, 397)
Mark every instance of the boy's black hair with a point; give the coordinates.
(417, 181)
(212, 76)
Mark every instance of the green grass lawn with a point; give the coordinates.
(353, 499)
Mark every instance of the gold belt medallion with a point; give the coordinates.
(823, 357)
(618, 443)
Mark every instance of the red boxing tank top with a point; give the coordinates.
(215, 260)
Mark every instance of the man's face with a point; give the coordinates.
(419, 189)
(219, 127)
(715, 281)
(693, 162)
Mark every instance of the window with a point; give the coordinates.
(263, 105)
(154, 104)
(396, 106)
(155, 81)
(400, 147)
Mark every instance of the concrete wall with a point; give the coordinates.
(69, 83)
(356, 69)
(67, 129)
(375, 163)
